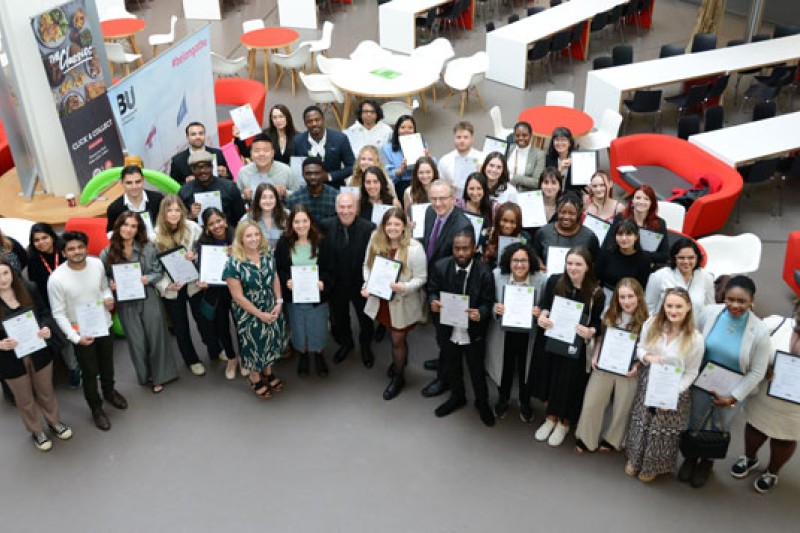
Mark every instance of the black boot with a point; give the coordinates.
(302, 365)
(322, 366)
(395, 386)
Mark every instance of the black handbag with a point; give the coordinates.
(705, 443)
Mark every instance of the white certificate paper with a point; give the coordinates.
(147, 223)
(617, 351)
(556, 259)
(24, 328)
(518, 303)
(477, 225)
(180, 269)
(493, 144)
(716, 378)
(532, 206)
(598, 226)
(296, 164)
(208, 199)
(565, 314)
(355, 191)
(785, 384)
(418, 216)
(502, 244)
(383, 273)
(663, 386)
(583, 165)
(649, 239)
(454, 309)
(464, 166)
(212, 263)
(412, 148)
(91, 319)
(244, 119)
(305, 284)
(128, 277)
(378, 210)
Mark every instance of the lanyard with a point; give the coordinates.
(47, 266)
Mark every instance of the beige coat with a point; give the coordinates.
(405, 308)
(190, 242)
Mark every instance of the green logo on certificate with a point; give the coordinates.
(29, 314)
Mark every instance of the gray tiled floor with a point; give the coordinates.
(332, 455)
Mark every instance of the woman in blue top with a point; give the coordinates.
(397, 166)
(737, 339)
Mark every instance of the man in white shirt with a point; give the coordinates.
(78, 283)
(264, 169)
(136, 199)
(464, 160)
(368, 129)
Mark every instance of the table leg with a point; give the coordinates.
(251, 63)
(135, 49)
(346, 109)
(266, 67)
(422, 101)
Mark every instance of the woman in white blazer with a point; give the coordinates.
(683, 271)
(392, 240)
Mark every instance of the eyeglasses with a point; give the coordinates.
(439, 199)
(685, 257)
(370, 111)
(520, 261)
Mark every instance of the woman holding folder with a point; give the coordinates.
(626, 313)
(425, 172)
(507, 223)
(567, 231)
(735, 339)
(142, 319)
(559, 155)
(642, 208)
(667, 338)
(392, 240)
(495, 169)
(268, 212)
(375, 190)
(397, 164)
(622, 257)
(600, 202)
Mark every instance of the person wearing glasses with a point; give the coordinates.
(369, 128)
(683, 270)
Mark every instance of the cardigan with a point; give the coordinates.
(700, 287)
(283, 263)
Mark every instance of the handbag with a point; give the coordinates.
(705, 443)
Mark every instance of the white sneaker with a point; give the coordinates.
(243, 371)
(230, 370)
(558, 434)
(198, 369)
(544, 430)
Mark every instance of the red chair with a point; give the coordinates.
(94, 228)
(791, 263)
(6, 160)
(238, 92)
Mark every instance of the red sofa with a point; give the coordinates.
(237, 92)
(791, 263)
(707, 214)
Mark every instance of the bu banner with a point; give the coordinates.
(69, 46)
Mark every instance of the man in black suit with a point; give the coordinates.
(463, 274)
(331, 146)
(136, 199)
(229, 197)
(196, 137)
(347, 236)
(443, 220)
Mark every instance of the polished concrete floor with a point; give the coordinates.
(332, 455)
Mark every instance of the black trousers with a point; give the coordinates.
(176, 309)
(515, 350)
(96, 358)
(341, 298)
(454, 355)
(218, 331)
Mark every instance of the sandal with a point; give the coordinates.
(260, 388)
(606, 446)
(580, 447)
(274, 383)
(158, 389)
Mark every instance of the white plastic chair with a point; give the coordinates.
(158, 39)
(113, 9)
(395, 109)
(562, 98)
(323, 92)
(323, 44)
(18, 229)
(253, 24)
(607, 132)
(329, 65)
(222, 66)
(672, 213)
(368, 51)
(731, 255)
(117, 54)
(434, 55)
(464, 74)
(293, 62)
(500, 131)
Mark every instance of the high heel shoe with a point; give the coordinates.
(394, 387)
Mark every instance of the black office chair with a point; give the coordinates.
(789, 168)
(785, 30)
(758, 37)
(554, 3)
(561, 42)
(540, 52)
(615, 19)
(688, 126)
(714, 118)
(622, 54)
(644, 101)
(513, 18)
(764, 110)
(702, 42)
(535, 9)
(602, 62)
(735, 42)
(769, 87)
(742, 73)
(717, 89)
(693, 97)
(490, 26)
(669, 50)
(759, 172)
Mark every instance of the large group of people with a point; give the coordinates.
(299, 250)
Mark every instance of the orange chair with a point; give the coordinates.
(791, 263)
(94, 228)
(238, 92)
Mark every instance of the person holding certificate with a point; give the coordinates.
(257, 306)
(268, 212)
(477, 201)
(215, 303)
(265, 169)
(457, 164)
(206, 185)
(519, 267)
(134, 199)
(368, 156)
(668, 338)
(401, 312)
(424, 173)
(301, 246)
(642, 208)
(29, 377)
(567, 231)
(622, 258)
(280, 130)
(375, 191)
(80, 300)
(507, 223)
(682, 270)
(369, 128)
(144, 324)
(737, 340)
(552, 186)
(495, 170)
(559, 156)
(616, 375)
(525, 161)
(558, 367)
(600, 202)
(397, 165)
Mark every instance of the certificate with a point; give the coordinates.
(212, 263)
(493, 144)
(565, 314)
(180, 269)
(296, 164)
(650, 240)
(518, 303)
(716, 378)
(532, 206)
(208, 199)
(128, 277)
(91, 319)
(663, 386)
(583, 165)
(383, 273)
(598, 226)
(454, 310)
(355, 191)
(464, 166)
(244, 119)
(378, 210)
(305, 284)
(556, 259)
(785, 384)
(412, 148)
(24, 328)
(477, 225)
(617, 351)
(148, 223)
(418, 216)
(503, 242)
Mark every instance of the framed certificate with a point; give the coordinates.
(24, 328)
(180, 269)
(378, 210)
(477, 225)
(305, 284)
(617, 351)
(531, 204)
(493, 144)
(212, 263)
(785, 384)
(650, 240)
(566, 315)
(128, 278)
(208, 199)
(383, 273)
(663, 386)
(518, 302)
(503, 242)
(714, 377)
(598, 226)
(556, 259)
